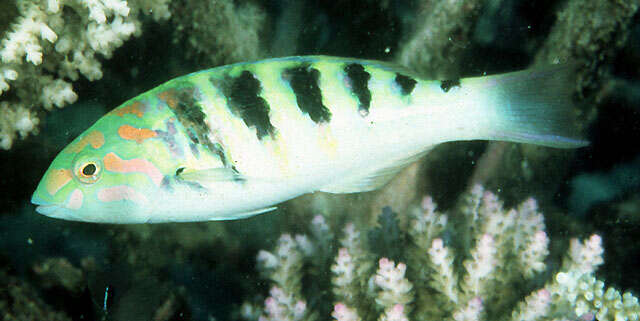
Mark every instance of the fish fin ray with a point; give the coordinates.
(370, 180)
(239, 216)
(220, 174)
(535, 107)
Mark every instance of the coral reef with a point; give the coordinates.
(50, 43)
(586, 34)
(619, 223)
(60, 270)
(589, 32)
(481, 262)
(53, 42)
(20, 301)
(218, 32)
(445, 40)
(440, 37)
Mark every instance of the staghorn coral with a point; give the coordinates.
(481, 262)
(51, 43)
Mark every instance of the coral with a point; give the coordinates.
(50, 43)
(21, 301)
(479, 262)
(586, 34)
(282, 267)
(438, 41)
(60, 272)
(218, 31)
(588, 31)
(619, 223)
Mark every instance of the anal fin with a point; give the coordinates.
(372, 178)
(239, 216)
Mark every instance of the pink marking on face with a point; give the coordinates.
(75, 200)
(121, 192)
(116, 164)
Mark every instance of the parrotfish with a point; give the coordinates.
(234, 141)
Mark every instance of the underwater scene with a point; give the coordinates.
(319, 160)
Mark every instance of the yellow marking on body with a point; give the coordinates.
(56, 180)
(138, 134)
(95, 138)
(335, 94)
(292, 124)
(327, 142)
(381, 88)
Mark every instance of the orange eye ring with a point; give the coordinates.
(88, 172)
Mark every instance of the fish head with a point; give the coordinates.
(109, 174)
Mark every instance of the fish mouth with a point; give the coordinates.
(51, 210)
(58, 212)
(42, 204)
(46, 209)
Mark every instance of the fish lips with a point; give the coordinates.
(52, 210)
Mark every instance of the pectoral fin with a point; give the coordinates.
(210, 175)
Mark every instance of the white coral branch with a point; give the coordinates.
(42, 37)
(396, 289)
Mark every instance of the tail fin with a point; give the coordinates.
(534, 106)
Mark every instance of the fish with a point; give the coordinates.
(234, 141)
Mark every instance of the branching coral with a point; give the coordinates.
(51, 43)
(480, 262)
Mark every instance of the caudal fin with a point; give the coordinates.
(534, 106)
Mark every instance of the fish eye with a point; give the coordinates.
(88, 171)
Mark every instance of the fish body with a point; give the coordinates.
(236, 140)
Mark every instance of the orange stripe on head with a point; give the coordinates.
(95, 138)
(169, 96)
(137, 134)
(57, 179)
(135, 108)
(116, 164)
